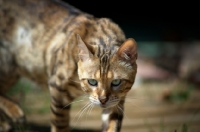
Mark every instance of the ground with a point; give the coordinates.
(170, 106)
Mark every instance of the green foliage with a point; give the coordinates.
(184, 128)
(22, 86)
(180, 93)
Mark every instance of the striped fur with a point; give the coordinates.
(56, 45)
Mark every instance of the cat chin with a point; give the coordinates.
(107, 106)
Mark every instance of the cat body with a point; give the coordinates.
(56, 46)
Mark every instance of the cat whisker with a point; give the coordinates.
(127, 101)
(81, 111)
(118, 106)
(84, 96)
(89, 110)
(74, 81)
(72, 103)
(131, 98)
(84, 110)
(118, 109)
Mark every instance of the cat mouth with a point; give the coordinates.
(103, 106)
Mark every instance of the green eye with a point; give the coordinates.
(92, 82)
(116, 82)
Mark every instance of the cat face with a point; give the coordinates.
(107, 78)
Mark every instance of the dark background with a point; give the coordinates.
(148, 21)
(167, 33)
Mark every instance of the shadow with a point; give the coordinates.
(33, 127)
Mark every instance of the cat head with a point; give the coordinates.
(107, 74)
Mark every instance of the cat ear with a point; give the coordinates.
(84, 53)
(128, 51)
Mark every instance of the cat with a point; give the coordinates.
(70, 52)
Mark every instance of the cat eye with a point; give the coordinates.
(92, 82)
(116, 82)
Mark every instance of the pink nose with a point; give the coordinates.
(103, 101)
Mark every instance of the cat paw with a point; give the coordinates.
(5, 127)
(21, 120)
(8, 123)
(11, 110)
(9, 126)
(15, 114)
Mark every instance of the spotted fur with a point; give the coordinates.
(55, 45)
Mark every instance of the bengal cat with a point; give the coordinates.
(56, 45)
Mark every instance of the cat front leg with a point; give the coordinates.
(59, 108)
(112, 118)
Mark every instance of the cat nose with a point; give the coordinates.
(103, 100)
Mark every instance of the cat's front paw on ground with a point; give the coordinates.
(9, 124)
(5, 126)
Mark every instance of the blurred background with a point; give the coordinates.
(166, 93)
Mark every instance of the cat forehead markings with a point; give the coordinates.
(97, 74)
(109, 75)
(104, 63)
